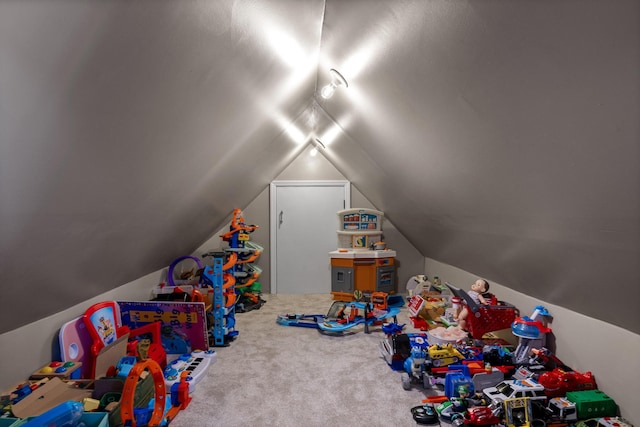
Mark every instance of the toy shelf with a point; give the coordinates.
(360, 220)
(359, 228)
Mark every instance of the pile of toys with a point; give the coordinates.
(476, 381)
(107, 369)
(473, 377)
(138, 362)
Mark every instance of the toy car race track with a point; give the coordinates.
(341, 317)
(346, 315)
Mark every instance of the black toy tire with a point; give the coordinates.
(421, 416)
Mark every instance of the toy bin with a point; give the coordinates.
(90, 419)
(95, 419)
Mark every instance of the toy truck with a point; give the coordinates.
(396, 348)
(561, 412)
(415, 366)
(593, 404)
(418, 365)
(477, 416)
(559, 382)
(444, 354)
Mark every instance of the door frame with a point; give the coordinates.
(273, 216)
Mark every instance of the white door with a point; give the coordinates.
(304, 223)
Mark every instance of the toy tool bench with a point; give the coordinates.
(361, 262)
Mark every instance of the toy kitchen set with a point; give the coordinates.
(361, 262)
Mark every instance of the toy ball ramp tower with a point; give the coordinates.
(246, 273)
(232, 276)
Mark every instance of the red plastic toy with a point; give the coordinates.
(485, 318)
(480, 416)
(558, 382)
(104, 326)
(154, 349)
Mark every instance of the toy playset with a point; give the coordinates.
(104, 327)
(194, 365)
(75, 341)
(113, 368)
(488, 384)
(113, 359)
(345, 315)
(244, 252)
(183, 324)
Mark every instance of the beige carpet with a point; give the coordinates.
(274, 375)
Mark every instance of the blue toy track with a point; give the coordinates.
(301, 320)
(336, 320)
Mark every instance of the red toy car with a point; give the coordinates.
(558, 382)
(478, 416)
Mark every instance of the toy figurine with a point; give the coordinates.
(478, 288)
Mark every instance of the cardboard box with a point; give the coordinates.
(52, 393)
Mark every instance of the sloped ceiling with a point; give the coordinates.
(499, 136)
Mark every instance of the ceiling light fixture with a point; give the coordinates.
(337, 80)
(314, 150)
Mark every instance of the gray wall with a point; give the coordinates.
(316, 168)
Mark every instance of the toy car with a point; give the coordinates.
(451, 409)
(415, 367)
(509, 389)
(561, 410)
(497, 356)
(478, 416)
(558, 382)
(396, 348)
(613, 422)
(442, 355)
